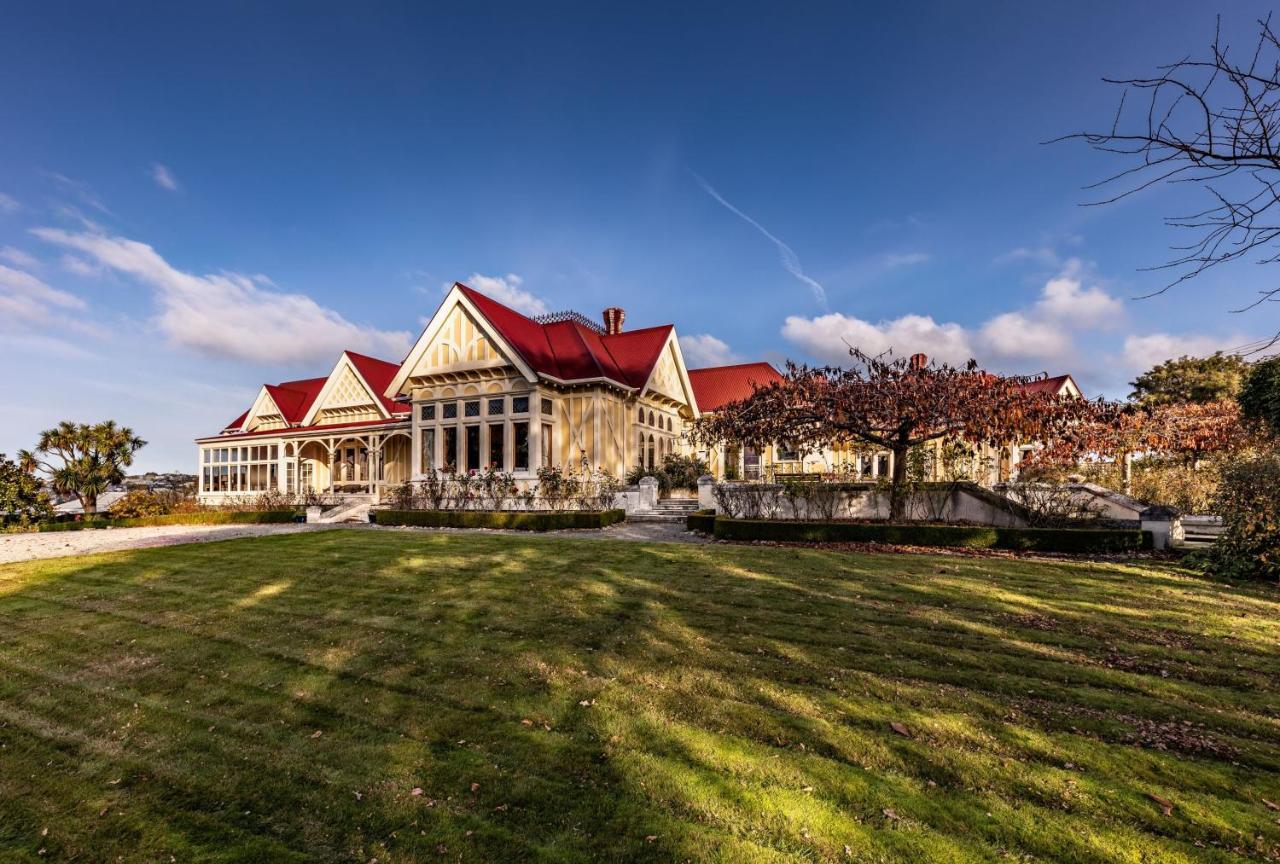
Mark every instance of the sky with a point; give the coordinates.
(198, 199)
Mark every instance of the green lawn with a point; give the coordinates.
(351, 696)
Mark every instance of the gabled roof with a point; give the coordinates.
(568, 350)
(378, 374)
(1052, 385)
(716, 386)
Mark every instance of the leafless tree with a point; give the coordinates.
(1213, 121)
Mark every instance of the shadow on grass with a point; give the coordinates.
(557, 700)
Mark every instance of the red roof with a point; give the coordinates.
(571, 351)
(717, 386)
(295, 398)
(1052, 385)
(314, 427)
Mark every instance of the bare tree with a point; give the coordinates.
(1213, 121)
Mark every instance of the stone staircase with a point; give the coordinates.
(668, 510)
(352, 508)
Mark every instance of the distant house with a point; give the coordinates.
(485, 385)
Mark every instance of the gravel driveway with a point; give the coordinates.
(55, 544)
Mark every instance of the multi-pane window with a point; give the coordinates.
(547, 408)
(497, 407)
(496, 457)
(450, 456)
(428, 449)
(449, 410)
(547, 448)
(473, 448)
(519, 404)
(428, 412)
(520, 446)
(241, 469)
(471, 409)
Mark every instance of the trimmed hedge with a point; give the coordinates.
(1074, 540)
(512, 520)
(701, 520)
(205, 517)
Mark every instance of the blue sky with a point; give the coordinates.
(197, 200)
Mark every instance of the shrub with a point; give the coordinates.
(200, 517)
(22, 497)
(140, 503)
(1073, 540)
(511, 520)
(1260, 396)
(702, 521)
(675, 472)
(1248, 501)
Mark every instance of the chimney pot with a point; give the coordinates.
(613, 318)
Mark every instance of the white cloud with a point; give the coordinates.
(703, 349)
(1066, 299)
(1043, 331)
(78, 266)
(1143, 352)
(1017, 335)
(790, 261)
(506, 290)
(829, 337)
(894, 260)
(26, 299)
(18, 258)
(8, 204)
(228, 314)
(164, 177)
(79, 190)
(1044, 255)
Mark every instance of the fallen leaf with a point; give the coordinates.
(649, 838)
(900, 729)
(475, 787)
(1165, 804)
(417, 790)
(316, 734)
(890, 814)
(1271, 805)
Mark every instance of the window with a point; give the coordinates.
(651, 418)
(547, 448)
(882, 465)
(290, 476)
(520, 446)
(671, 426)
(640, 450)
(428, 412)
(428, 450)
(208, 456)
(547, 407)
(640, 415)
(787, 452)
(519, 404)
(450, 410)
(497, 458)
(651, 461)
(473, 446)
(450, 455)
(497, 407)
(471, 409)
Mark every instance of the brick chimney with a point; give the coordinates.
(613, 318)
(919, 361)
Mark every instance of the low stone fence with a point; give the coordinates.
(965, 503)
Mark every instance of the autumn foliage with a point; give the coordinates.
(895, 404)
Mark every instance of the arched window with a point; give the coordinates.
(652, 461)
(651, 418)
(671, 426)
(640, 412)
(640, 451)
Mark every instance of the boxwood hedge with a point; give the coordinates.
(1072, 540)
(701, 520)
(200, 517)
(518, 521)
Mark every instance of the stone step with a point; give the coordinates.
(655, 516)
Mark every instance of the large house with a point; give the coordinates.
(487, 386)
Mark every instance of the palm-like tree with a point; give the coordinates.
(91, 457)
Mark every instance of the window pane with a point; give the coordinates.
(520, 442)
(450, 410)
(450, 456)
(471, 409)
(208, 456)
(519, 404)
(496, 457)
(546, 407)
(497, 406)
(428, 412)
(275, 452)
(428, 449)
(473, 446)
(547, 449)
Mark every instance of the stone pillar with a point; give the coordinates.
(1165, 525)
(648, 493)
(706, 492)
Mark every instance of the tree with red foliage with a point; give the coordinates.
(896, 404)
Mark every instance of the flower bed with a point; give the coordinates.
(525, 520)
(1089, 541)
